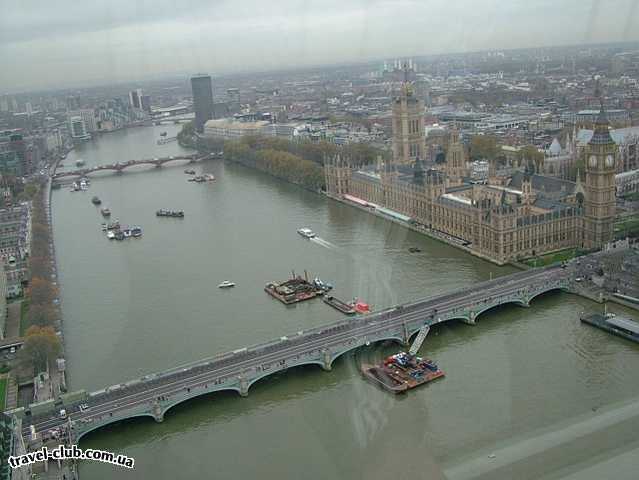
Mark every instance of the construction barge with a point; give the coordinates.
(401, 372)
(170, 213)
(347, 308)
(611, 323)
(297, 289)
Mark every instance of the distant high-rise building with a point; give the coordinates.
(135, 98)
(29, 108)
(145, 102)
(202, 100)
(88, 116)
(12, 153)
(77, 128)
(4, 104)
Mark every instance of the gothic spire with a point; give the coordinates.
(601, 134)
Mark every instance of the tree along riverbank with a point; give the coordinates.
(300, 163)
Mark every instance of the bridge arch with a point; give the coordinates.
(110, 421)
(386, 338)
(198, 392)
(290, 366)
(546, 290)
(520, 302)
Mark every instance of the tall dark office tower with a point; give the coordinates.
(202, 100)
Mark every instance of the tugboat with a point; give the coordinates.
(105, 212)
(96, 201)
(306, 233)
(226, 284)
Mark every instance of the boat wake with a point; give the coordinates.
(323, 243)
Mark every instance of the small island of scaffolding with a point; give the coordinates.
(297, 289)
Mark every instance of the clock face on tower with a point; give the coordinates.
(593, 161)
(610, 161)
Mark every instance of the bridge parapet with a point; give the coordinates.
(321, 346)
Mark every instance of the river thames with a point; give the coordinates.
(144, 305)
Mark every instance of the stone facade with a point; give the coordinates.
(505, 220)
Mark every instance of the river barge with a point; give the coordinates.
(616, 325)
(296, 289)
(170, 213)
(401, 372)
(338, 304)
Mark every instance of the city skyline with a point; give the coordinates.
(117, 42)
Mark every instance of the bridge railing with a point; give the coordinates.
(298, 336)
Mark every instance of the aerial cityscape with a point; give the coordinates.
(370, 266)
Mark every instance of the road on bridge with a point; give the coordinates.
(274, 355)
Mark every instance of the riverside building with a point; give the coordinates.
(505, 219)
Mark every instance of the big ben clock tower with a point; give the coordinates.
(600, 202)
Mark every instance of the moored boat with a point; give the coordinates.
(339, 305)
(110, 234)
(616, 325)
(296, 289)
(401, 372)
(170, 213)
(96, 201)
(105, 212)
(136, 232)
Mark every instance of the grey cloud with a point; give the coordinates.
(127, 39)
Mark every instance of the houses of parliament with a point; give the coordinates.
(507, 218)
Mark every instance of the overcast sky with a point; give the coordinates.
(48, 43)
